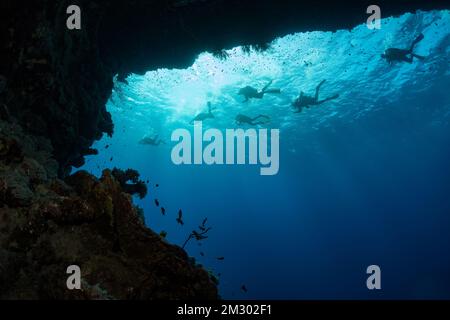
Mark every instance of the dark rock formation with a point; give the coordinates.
(130, 182)
(47, 224)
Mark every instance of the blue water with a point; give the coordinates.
(363, 179)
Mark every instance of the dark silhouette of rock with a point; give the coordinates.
(47, 224)
(129, 180)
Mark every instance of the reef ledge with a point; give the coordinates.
(48, 224)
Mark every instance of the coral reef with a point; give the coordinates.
(130, 183)
(53, 81)
(47, 224)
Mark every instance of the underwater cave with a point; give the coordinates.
(334, 158)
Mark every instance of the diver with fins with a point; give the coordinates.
(304, 101)
(252, 93)
(151, 141)
(204, 115)
(240, 119)
(403, 55)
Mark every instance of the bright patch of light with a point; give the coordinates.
(163, 100)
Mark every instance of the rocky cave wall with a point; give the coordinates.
(48, 224)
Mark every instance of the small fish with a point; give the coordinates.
(180, 217)
(157, 202)
(219, 274)
(157, 185)
(107, 146)
(163, 211)
(244, 288)
(202, 254)
(111, 159)
(148, 181)
(220, 258)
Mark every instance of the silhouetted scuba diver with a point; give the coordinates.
(152, 141)
(304, 101)
(250, 92)
(240, 119)
(393, 54)
(204, 115)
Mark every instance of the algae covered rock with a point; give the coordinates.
(48, 224)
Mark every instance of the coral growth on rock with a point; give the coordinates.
(130, 183)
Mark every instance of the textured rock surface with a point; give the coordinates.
(56, 84)
(47, 224)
